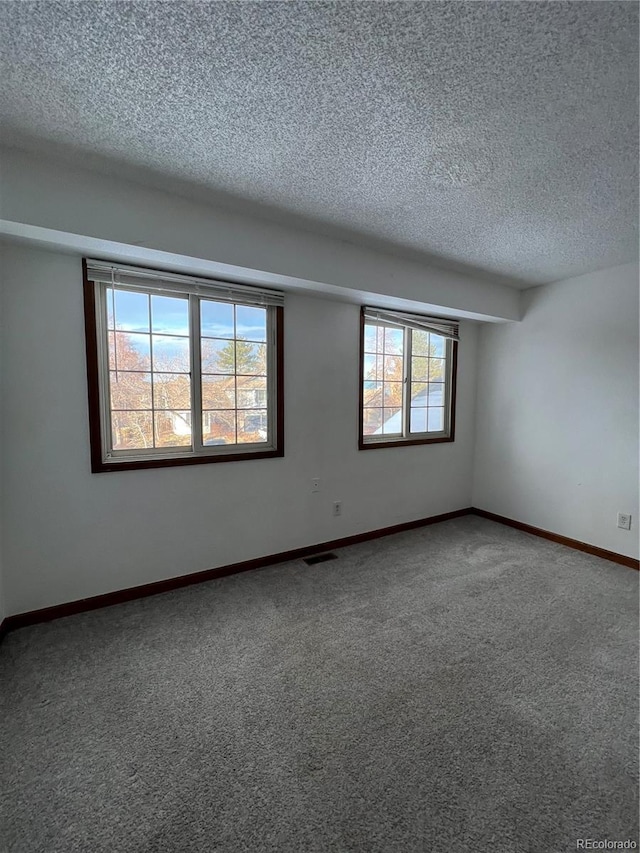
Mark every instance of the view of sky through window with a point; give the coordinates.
(234, 373)
(385, 376)
(149, 377)
(150, 371)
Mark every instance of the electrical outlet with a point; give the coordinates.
(624, 521)
(337, 507)
(315, 484)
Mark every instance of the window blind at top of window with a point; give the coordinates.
(108, 273)
(437, 325)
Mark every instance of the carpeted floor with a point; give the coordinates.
(461, 687)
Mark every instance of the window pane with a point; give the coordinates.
(150, 370)
(436, 394)
(418, 420)
(131, 351)
(436, 369)
(171, 391)
(172, 429)
(436, 420)
(392, 421)
(373, 365)
(169, 314)
(394, 367)
(419, 369)
(132, 311)
(251, 323)
(251, 392)
(384, 411)
(251, 358)
(372, 393)
(392, 394)
(131, 430)
(418, 393)
(218, 428)
(394, 341)
(219, 392)
(373, 338)
(110, 310)
(218, 356)
(130, 390)
(437, 346)
(216, 319)
(420, 343)
(252, 426)
(372, 421)
(171, 354)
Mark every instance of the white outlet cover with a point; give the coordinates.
(624, 521)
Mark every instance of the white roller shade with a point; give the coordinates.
(437, 325)
(222, 291)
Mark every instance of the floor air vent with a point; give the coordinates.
(319, 558)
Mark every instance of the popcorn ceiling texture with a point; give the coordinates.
(498, 135)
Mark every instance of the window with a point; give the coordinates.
(180, 370)
(407, 379)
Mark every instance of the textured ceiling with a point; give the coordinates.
(497, 135)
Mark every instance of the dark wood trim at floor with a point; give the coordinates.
(33, 617)
(630, 562)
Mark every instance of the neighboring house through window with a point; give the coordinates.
(407, 381)
(181, 370)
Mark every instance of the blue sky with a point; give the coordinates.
(170, 316)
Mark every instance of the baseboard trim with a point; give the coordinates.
(46, 614)
(630, 562)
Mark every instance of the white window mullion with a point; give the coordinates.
(406, 384)
(196, 373)
(104, 376)
(152, 374)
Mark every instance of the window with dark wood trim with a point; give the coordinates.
(407, 379)
(180, 370)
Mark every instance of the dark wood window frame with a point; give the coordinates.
(99, 465)
(409, 441)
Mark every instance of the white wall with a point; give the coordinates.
(69, 534)
(556, 444)
(557, 421)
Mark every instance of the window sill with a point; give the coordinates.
(98, 466)
(402, 442)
